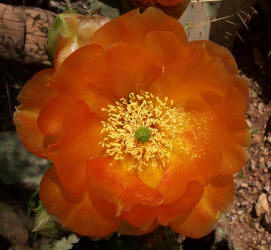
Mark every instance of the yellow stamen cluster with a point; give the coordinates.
(127, 115)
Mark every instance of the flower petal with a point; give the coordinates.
(52, 114)
(140, 216)
(234, 158)
(165, 44)
(122, 70)
(175, 10)
(230, 114)
(218, 51)
(117, 72)
(224, 55)
(198, 155)
(25, 117)
(169, 2)
(184, 205)
(151, 176)
(132, 27)
(195, 80)
(119, 185)
(78, 140)
(231, 111)
(79, 215)
(218, 196)
(128, 229)
(36, 91)
(65, 79)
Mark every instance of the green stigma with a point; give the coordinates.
(143, 134)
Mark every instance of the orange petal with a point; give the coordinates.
(198, 156)
(177, 174)
(234, 158)
(29, 132)
(242, 137)
(78, 214)
(66, 79)
(218, 51)
(34, 94)
(122, 70)
(169, 2)
(175, 10)
(184, 205)
(166, 45)
(106, 209)
(227, 58)
(140, 216)
(128, 229)
(218, 196)
(151, 176)
(231, 111)
(189, 87)
(132, 27)
(119, 185)
(78, 140)
(117, 72)
(52, 114)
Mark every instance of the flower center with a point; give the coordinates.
(142, 134)
(142, 129)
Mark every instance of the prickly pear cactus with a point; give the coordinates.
(217, 20)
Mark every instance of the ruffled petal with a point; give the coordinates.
(140, 216)
(225, 56)
(52, 114)
(218, 51)
(75, 212)
(175, 10)
(169, 2)
(116, 73)
(231, 111)
(184, 205)
(25, 117)
(30, 95)
(65, 79)
(144, 216)
(128, 229)
(234, 158)
(197, 156)
(230, 114)
(132, 27)
(199, 86)
(151, 176)
(119, 185)
(218, 197)
(166, 45)
(78, 140)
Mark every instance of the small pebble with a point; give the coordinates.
(262, 160)
(244, 185)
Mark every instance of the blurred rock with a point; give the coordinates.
(266, 222)
(262, 206)
(17, 165)
(13, 226)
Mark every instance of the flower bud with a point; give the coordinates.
(70, 32)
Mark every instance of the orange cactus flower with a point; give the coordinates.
(143, 128)
(173, 8)
(154, 2)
